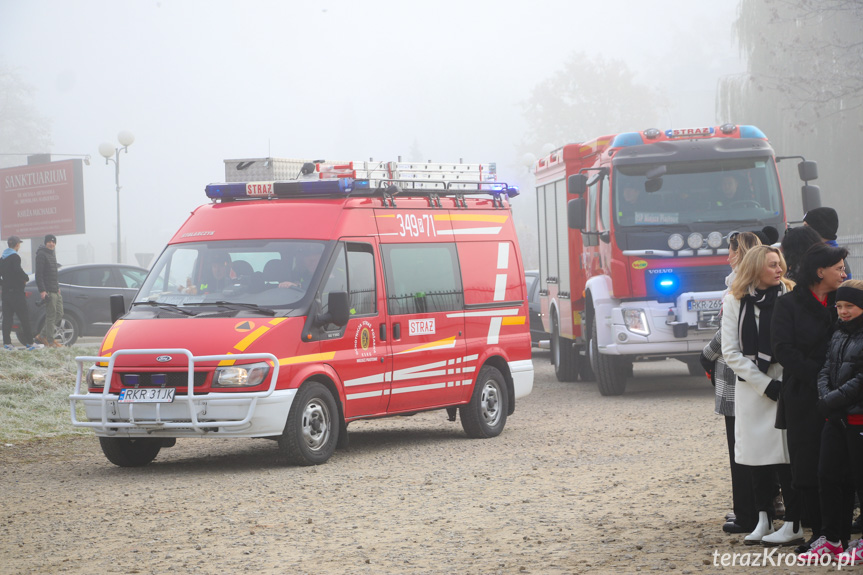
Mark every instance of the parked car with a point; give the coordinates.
(86, 291)
(537, 332)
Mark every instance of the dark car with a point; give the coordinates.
(537, 332)
(86, 291)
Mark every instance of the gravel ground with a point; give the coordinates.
(577, 483)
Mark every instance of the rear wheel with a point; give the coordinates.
(68, 331)
(130, 452)
(610, 370)
(563, 354)
(485, 415)
(312, 430)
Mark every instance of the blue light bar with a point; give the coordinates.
(340, 186)
(751, 132)
(627, 139)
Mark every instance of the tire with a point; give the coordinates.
(130, 452)
(610, 370)
(312, 430)
(485, 415)
(563, 355)
(694, 366)
(585, 372)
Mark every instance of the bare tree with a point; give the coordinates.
(589, 97)
(804, 88)
(22, 129)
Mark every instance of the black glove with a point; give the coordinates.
(772, 390)
(708, 365)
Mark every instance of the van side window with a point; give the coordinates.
(361, 279)
(422, 278)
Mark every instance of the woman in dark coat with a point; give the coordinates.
(803, 323)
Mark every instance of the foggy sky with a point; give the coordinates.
(197, 82)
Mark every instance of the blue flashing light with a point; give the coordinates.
(338, 186)
(667, 284)
(512, 191)
(751, 132)
(627, 139)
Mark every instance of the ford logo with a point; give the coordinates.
(164, 358)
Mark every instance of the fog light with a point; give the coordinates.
(675, 242)
(635, 321)
(695, 240)
(714, 239)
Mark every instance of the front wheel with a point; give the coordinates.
(130, 452)
(485, 415)
(312, 430)
(563, 354)
(610, 370)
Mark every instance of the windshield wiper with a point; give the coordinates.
(165, 306)
(248, 306)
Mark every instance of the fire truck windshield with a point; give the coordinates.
(739, 190)
(270, 273)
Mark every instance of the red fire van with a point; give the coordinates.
(288, 309)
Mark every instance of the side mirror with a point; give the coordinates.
(118, 306)
(811, 196)
(575, 215)
(338, 309)
(577, 184)
(808, 171)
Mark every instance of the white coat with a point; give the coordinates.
(757, 441)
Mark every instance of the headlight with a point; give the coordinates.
(675, 241)
(636, 321)
(241, 375)
(695, 240)
(714, 239)
(96, 376)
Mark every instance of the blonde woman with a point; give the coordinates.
(747, 311)
(744, 515)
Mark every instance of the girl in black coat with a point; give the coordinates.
(803, 323)
(840, 467)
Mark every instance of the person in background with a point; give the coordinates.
(49, 290)
(723, 378)
(840, 391)
(747, 312)
(768, 235)
(803, 322)
(794, 245)
(825, 221)
(14, 302)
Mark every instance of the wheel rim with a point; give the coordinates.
(316, 424)
(490, 403)
(64, 331)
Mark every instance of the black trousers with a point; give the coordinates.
(742, 495)
(840, 472)
(764, 485)
(14, 303)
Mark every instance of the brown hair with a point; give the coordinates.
(750, 267)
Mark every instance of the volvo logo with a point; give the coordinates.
(164, 358)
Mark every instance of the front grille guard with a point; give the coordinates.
(194, 402)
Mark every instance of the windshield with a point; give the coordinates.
(739, 190)
(275, 273)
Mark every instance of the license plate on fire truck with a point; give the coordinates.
(147, 395)
(704, 304)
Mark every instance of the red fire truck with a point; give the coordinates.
(287, 309)
(633, 241)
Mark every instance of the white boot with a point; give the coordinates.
(791, 533)
(764, 527)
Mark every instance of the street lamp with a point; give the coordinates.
(112, 154)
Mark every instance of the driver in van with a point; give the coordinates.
(727, 191)
(214, 281)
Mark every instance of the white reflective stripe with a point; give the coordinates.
(473, 357)
(499, 287)
(470, 369)
(364, 395)
(494, 330)
(418, 388)
(376, 378)
(485, 313)
(503, 256)
(470, 232)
